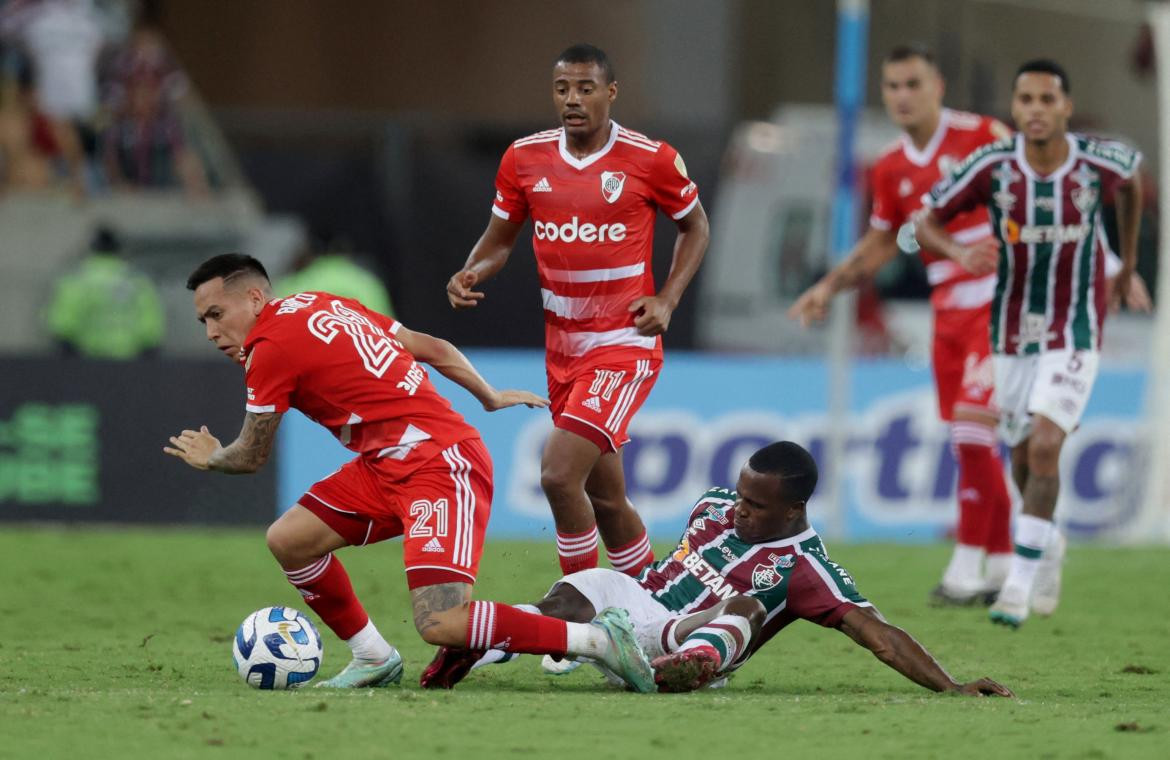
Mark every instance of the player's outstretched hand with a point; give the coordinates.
(194, 447)
(984, 687)
(812, 306)
(653, 315)
(459, 292)
(505, 399)
(981, 257)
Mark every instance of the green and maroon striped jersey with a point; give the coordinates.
(1050, 292)
(793, 577)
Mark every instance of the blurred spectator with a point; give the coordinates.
(105, 309)
(339, 274)
(144, 144)
(63, 39)
(35, 152)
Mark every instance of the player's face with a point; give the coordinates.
(228, 313)
(912, 91)
(761, 512)
(1040, 107)
(582, 97)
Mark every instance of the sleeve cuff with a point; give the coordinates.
(690, 207)
(500, 212)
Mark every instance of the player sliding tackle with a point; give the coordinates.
(1044, 189)
(747, 565)
(421, 472)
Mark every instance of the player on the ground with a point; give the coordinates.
(592, 189)
(1044, 189)
(747, 565)
(421, 472)
(934, 139)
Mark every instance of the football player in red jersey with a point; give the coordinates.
(748, 564)
(593, 189)
(421, 472)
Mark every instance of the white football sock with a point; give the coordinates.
(1032, 536)
(963, 572)
(587, 640)
(367, 644)
(995, 569)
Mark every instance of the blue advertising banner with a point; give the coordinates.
(708, 413)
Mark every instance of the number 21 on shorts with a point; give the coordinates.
(423, 511)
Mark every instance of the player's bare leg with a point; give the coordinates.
(303, 545)
(565, 466)
(622, 530)
(708, 643)
(983, 533)
(1034, 528)
(445, 616)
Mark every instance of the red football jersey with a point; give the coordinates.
(593, 234)
(338, 363)
(903, 174)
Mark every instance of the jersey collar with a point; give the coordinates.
(926, 155)
(796, 540)
(1062, 170)
(581, 163)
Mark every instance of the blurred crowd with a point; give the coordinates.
(91, 100)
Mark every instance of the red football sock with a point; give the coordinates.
(984, 503)
(501, 626)
(326, 588)
(577, 551)
(632, 557)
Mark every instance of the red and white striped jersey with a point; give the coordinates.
(340, 364)
(903, 174)
(593, 234)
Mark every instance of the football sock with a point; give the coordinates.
(577, 551)
(1032, 535)
(493, 656)
(631, 558)
(727, 635)
(964, 573)
(995, 569)
(981, 482)
(326, 588)
(500, 626)
(368, 644)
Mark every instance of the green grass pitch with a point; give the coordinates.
(116, 644)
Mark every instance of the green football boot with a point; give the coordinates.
(359, 673)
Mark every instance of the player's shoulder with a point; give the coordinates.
(537, 141)
(638, 141)
(717, 495)
(966, 121)
(891, 156)
(1115, 154)
(1003, 147)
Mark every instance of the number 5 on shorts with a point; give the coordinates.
(422, 510)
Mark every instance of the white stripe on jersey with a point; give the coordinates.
(257, 409)
(585, 307)
(637, 144)
(829, 582)
(596, 275)
(638, 137)
(500, 212)
(580, 343)
(686, 210)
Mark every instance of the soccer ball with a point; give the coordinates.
(277, 648)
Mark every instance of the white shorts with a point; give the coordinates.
(1056, 384)
(609, 588)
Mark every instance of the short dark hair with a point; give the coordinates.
(586, 53)
(1044, 66)
(911, 50)
(789, 461)
(229, 266)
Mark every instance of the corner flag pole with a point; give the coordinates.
(849, 89)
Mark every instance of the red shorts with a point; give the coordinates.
(963, 371)
(599, 403)
(441, 510)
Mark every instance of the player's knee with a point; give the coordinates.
(280, 542)
(1044, 449)
(747, 607)
(557, 479)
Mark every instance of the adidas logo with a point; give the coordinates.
(592, 403)
(543, 186)
(433, 546)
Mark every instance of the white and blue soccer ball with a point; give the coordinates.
(277, 648)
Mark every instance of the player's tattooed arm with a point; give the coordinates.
(247, 453)
(441, 606)
(251, 449)
(900, 651)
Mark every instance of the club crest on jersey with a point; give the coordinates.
(1084, 197)
(611, 185)
(765, 576)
